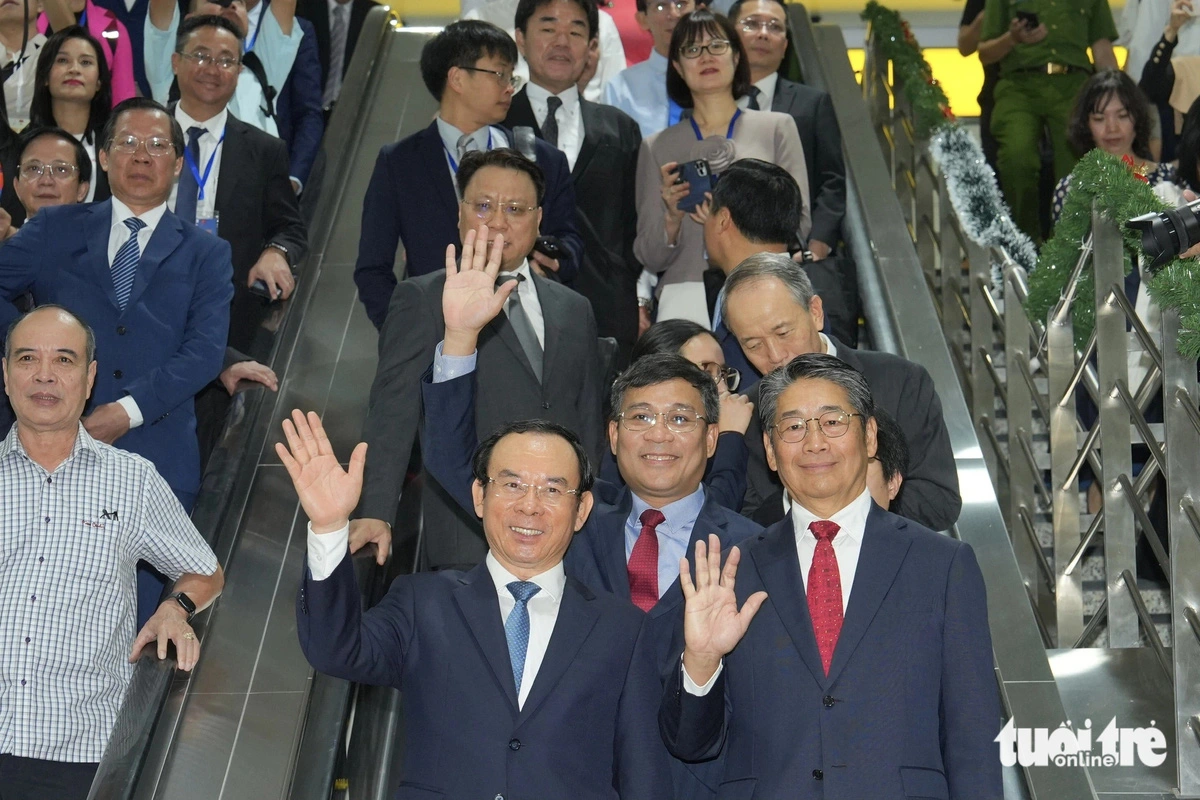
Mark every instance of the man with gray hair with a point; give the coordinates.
(847, 613)
(772, 310)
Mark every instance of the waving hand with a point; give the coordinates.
(327, 492)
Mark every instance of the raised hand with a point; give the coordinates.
(327, 492)
(470, 299)
(712, 623)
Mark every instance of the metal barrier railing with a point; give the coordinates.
(1025, 380)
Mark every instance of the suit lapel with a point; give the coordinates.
(610, 523)
(505, 333)
(784, 94)
(879, 561)
(710, 520)
(521, 113)
(576, 618)
(592, 123)
(779, 567)
(433, 154)
(166, 237)
(99, 229)
(480, 609)
(556, 317)
(233, 164)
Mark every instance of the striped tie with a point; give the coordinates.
(124, 266)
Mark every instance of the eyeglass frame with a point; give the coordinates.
(655, 417)
(728, 375)
(201, 60)
(512, 81)
(705, 48)
(679, 5)
(539, 491)
(40, 168)
(112, 145)
(843, 414)
(474, 205)
(749, 25)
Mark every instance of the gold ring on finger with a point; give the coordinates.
(189, 636)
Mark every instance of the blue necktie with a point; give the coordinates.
(516, 627)
(189, 189)
(124, 266)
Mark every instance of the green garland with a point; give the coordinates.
(910, 70)
(1119, 195)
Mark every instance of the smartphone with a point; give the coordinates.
(259, 287)
(550, 247)
(698, 175)
(1030, 18)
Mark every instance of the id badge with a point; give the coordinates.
(209, 223)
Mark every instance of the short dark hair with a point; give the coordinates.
(41, 112)
(690, 28)
(736, 7)
(818, 366)
(659, 368)
(1094, 96)
(460, 44)
(526, 9)
(891, 449)
(191, 24)
(141, 104)
(32, 134)
(504, 158)
(668, 336)
(1188, 147)
(483, 453)
(763, 199)
(89, 334)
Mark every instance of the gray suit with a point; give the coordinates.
(569, 394)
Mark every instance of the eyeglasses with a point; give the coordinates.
(156, 146)
(717, 47)
(682, 6)
(59, 170)
(502, 78)
(202, 60)
(722, 374)
(832, 424)
(678, 421)
(772, 27)
(510, 491)
(486, 209)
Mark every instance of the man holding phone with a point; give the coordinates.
(1042, 49)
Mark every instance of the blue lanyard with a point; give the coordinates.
(83, 22)
(728, 133)
(250, 42)
(450, 158)
(191, 163)
(674, 112)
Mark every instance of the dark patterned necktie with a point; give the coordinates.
(643, 561)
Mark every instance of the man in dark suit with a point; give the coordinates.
(468, 68)
(860, 664)
(519, 681)
(601, 145)
(336, 33)
(762, 25)
(298, 109)
(772, 310)
(539, 359)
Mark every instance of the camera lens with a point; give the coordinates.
(1166, 234)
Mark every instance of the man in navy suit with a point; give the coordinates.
(860, 664)
(412, 200)
(298, 109)
(519, 681)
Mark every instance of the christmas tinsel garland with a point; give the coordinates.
(910, 70)
(1119, 195)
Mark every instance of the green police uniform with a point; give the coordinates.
(1037, 89)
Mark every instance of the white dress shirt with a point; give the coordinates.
(570, 119)
(326, 551)
(766, 93)
(210, 147)
(118, 234)
(528, 296)
(18, 89)
(847, 546)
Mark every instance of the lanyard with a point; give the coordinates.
(674, 112)
(83, 19)
(450, 158)
(191, 164)
(728, 134)
(254, 38)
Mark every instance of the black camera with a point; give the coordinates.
(1166, 234)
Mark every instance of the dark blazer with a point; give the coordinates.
(904, 389)
(605, 174)
(817, 124)
(910, 707)
(569, 394)
(317, 12)
(167, 343)
(256, 206)
(586, 729)
(596, 556)
(411, 200)
(298, 107)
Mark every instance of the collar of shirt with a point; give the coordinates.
(28, 55)
(11, 445)
(122, 212)
(851, 520)
(830, 347)
(766, 88)
(524, 287)
(538, 97)
(214, 126)
(552, 581)
(680, 516)
(450, 136)
(657, 62)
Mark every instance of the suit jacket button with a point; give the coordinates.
(499, 797)
(818, 774)
(117, 374)
(828, 701)
(545, 405)
(120, 330)
(515, 744)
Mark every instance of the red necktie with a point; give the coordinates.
(643, 562)
(825, 591)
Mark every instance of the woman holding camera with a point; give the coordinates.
(708, 74)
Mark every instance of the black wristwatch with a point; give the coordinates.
(185, 603)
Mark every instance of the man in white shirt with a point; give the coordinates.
(848, 612)
(521, 682)
(641, 90)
